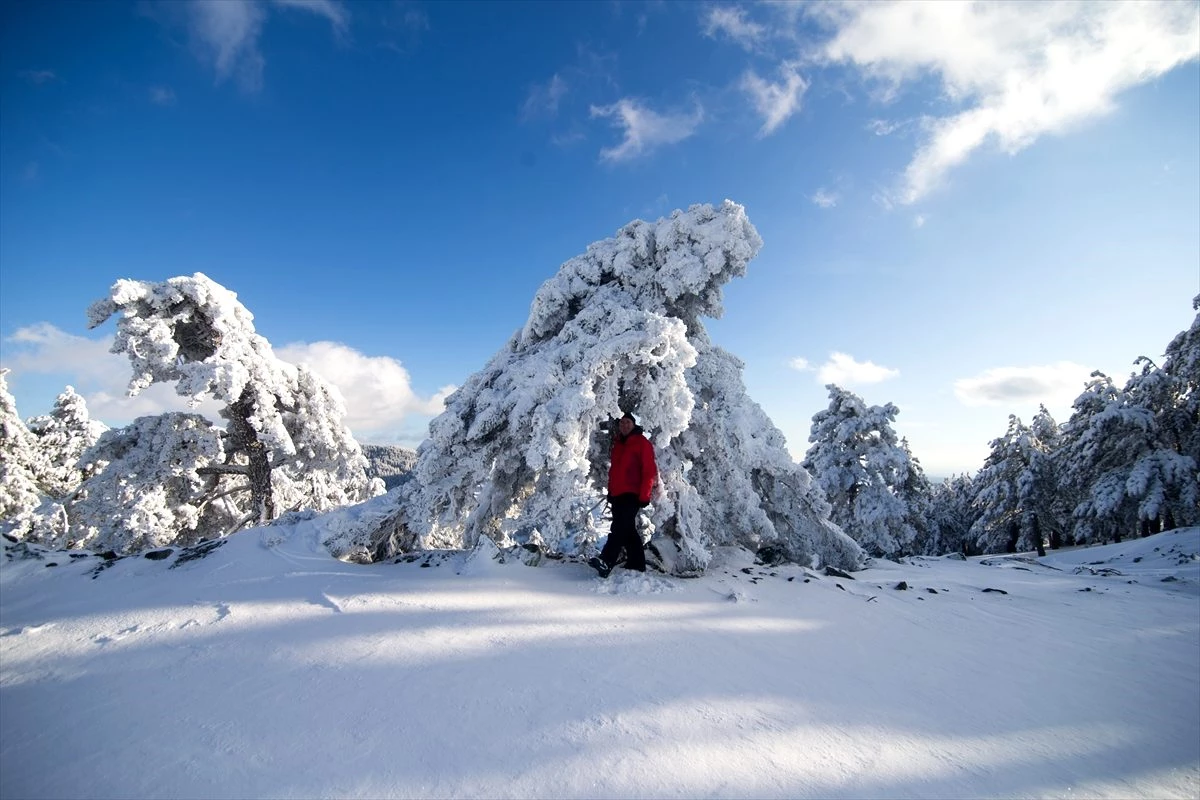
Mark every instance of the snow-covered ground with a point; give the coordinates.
(266, 668)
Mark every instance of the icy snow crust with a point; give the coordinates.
(521, 450)
(263, 667)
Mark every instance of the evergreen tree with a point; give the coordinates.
(284, 444)
(1015, 496)
(1124, 454)
(877, 491)
(19, 490)
(143, 488)
(520, 453)
(1164, 478)
(952, 515)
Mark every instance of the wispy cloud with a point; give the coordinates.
(884, 127)
(731, 21)
(162, 95)
(824, 199)
(1019, 70)
(335, 12)
(775, 102)
(845, 370)
(543, 98)
(1052, 384)
(644, 129)
(225, 34)
(38, 77)
(31, 172)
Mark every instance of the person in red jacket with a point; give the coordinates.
(631, 477)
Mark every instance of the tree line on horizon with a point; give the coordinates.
(1124, 464)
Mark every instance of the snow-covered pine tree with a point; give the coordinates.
(284, 444)
(878, 494)
(1085, 463)
(61, 438)
(1132, 456)
(1049, 507)
(1014, 498)
(952, 517)
(1124, 462)
(142, 488)
(521, 450)
(1164, 479)
(19, 490)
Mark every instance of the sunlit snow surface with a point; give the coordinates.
(268, 669)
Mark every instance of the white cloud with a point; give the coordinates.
(919, 221)
(1019, 70)
(824, 199)
(1052, 385)
(644, 129)
(843, 370)
(377, 389)
(543, 99)
(226, 33)
(775, 102)
(800, 364)
(732, 22)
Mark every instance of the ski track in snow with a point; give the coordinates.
(274, 671)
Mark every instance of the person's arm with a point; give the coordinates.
(649, 472)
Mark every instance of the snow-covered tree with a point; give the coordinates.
(19, 491)
(878, 492)
(1014, 498)
(61, 438)
(1164, 479)
(521, 448)
(143, 488)
(284, 444)
(952, 517)
(1131, 457)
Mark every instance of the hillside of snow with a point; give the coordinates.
(259, 666)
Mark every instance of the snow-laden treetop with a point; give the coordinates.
(691, 255)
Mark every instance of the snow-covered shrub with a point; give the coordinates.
(521, 449)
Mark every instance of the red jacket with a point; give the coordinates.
(633, 470)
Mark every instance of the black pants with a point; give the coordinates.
(624, 534)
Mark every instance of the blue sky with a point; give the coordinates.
(965, 208)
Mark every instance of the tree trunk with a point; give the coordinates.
(244, 438)
(261, 495)
(1037, 536)
(1014, 536)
